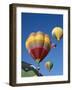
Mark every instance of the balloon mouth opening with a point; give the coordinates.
(37, 60)
(58, 39)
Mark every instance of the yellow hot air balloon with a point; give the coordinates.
(49, 65)
(57, 32)
(38, 45)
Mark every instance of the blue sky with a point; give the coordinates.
(32, 22)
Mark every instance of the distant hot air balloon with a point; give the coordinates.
(38, 45)
(57, 32)
(49, 65)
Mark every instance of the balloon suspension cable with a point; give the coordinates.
(38, 65)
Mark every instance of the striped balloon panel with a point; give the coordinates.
(47, 46)
(30, 42)
(38, 53)
(47, 43)
(44, 53)
(32, 54)
(39, 39)
(35, 40)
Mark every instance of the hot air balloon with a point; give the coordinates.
(38, 45)
(49, 65)
(57, 32)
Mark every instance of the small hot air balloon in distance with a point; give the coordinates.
(38, 45)
(49, 65)
(57, 32)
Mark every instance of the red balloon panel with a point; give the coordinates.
(38, 53)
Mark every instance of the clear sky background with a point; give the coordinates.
(32, 22)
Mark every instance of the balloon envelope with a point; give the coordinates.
(38, 45)
(49, 65)
(57, 32)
